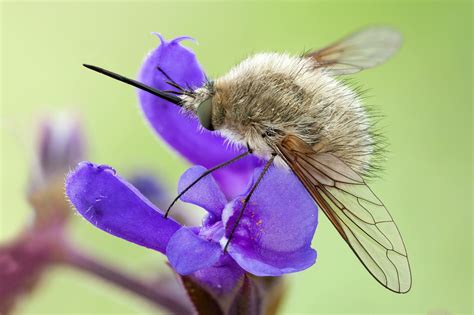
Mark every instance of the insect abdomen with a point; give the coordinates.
(278, 94)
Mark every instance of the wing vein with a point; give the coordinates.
(356, 212)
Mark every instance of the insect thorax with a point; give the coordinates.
(277, 94)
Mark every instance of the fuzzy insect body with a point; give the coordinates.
(269, 96)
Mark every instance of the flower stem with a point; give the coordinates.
(157, 294)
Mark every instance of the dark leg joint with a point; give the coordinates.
(249, 149)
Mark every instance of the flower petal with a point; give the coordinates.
(115, 206)
(197, 145)
(205, 193)
(222, 277)
(188, 253)
(275, 232)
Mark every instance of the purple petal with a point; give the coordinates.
(115, 206)
(187, 252)
(205, 193)
(275, 233)
(222, 277)
(181, 132)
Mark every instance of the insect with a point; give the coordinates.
(294, 112)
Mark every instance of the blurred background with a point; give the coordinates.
(424, 92)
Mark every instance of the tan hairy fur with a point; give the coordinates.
(275, 95)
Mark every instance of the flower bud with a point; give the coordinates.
(60, 146)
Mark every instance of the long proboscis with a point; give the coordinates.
(161, 94)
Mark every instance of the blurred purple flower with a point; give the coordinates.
(150, 187)
(273, 237)
(44, 242)
(60, 145)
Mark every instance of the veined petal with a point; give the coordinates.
(199, 146)
(275, 232)
(187, 252)
(205, 193)
(115, 206)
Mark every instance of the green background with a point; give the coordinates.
(424, 93)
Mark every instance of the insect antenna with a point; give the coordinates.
(161, 94)
(173, 83)
(247, 199)
(209, 171)
(170, 80)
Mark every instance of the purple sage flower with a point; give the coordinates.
(183, 133)
(272, 238)
(275, 232)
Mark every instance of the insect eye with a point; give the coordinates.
(270, 132)
(204, 113)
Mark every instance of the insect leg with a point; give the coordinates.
(209, 171)
(247, 198)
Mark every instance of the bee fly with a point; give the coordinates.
(291, 111)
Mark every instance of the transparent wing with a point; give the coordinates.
(358, 215)
(362, 50)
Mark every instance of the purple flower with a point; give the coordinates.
(24, 259)
(183, 133)
(44, 242)
(61, 143)
(274, 234)
(272, 238)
